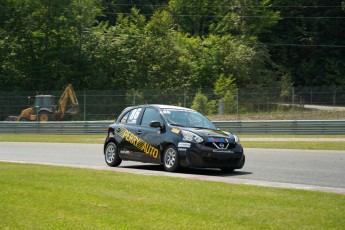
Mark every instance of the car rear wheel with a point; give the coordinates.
(171, 160)
(111, 155)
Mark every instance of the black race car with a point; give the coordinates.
(172, 136)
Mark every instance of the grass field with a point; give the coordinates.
(296, 145)
(287, 115)
(47, 197)
(87, 139)
(286, 144)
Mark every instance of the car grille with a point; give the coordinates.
(217, 145)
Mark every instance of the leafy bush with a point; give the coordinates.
(200, 103)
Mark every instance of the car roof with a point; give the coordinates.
(169, 107)
(160, 106)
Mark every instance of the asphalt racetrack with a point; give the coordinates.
(321, 170)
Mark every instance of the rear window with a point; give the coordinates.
(133, 116)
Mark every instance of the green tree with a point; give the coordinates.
(193, 16)
(308, 41)
(169, 62)
(245, 18)
(230, 56)
(112, 9)
(44, 41)
(200, 103)
(286, 86)
(226, 89)
(224, 84)
(119, 53)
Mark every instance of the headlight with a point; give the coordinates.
(192, 137)
(237, 139)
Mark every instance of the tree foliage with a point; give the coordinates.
(44, 42)
(170, 44)
(309, 41)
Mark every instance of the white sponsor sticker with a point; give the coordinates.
(184, 145)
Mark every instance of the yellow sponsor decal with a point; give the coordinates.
(138, 143)
(175, 130)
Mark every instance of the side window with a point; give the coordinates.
(133, 116)
(150, 114)
(124, 118)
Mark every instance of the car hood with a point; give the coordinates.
(211, 133)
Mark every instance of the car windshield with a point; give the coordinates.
(187, 118)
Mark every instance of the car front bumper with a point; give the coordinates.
(202, 156)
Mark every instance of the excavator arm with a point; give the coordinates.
(68, 94)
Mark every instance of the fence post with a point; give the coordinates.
(237, 101)
(293, 98)
(221, 106)
(133, 90)
(84, 105)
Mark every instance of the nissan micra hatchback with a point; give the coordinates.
(171, 136)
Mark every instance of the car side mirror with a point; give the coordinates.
(156, 124)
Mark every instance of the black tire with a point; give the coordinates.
(171, 159)
(242, 162)
(111, 155)
(239, 166)
(228, 170)
(44, 116)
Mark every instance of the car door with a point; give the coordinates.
(127, 135)
(151, 137)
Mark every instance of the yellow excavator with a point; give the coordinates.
(45, 108)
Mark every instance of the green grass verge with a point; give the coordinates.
(88, 139)
(281, 115)
(99, 139)
(291, 135)
(292, 144)
(322, 145)
(47, 197)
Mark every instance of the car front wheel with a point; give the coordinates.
(111, 155)
(171, 160)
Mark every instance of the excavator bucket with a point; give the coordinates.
(73, 110)
(11, 118)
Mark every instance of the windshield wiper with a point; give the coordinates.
(176, 124)
(199, 127)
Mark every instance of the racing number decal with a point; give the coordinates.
(134, 116)
(138, 143)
